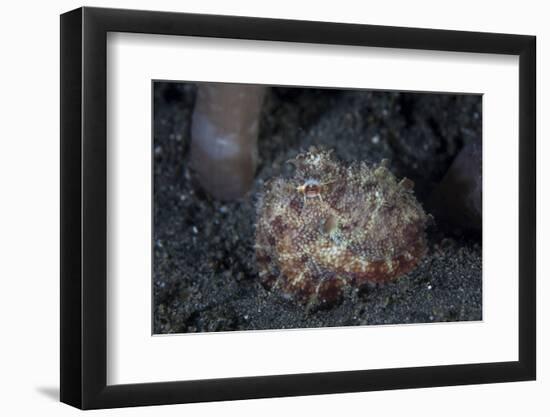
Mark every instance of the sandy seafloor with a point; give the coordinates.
(204, 274)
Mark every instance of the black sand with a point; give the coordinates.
(204, 276)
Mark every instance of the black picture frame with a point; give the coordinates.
(84, 207)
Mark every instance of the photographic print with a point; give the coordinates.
(280, 207)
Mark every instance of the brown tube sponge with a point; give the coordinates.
(458, 199)
(224, 135)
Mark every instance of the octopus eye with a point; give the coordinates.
(312, 190)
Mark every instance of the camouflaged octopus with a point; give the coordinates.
(332, 226)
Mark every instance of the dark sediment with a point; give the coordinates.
(204, 274)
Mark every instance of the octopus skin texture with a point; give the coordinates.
(331, 226)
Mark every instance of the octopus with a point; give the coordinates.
(330, 227)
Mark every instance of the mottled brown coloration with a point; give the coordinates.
(332, 226)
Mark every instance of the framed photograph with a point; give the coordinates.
(256, 208)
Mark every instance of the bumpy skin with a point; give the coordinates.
(332, 226)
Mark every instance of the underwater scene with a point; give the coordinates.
(294, 207)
